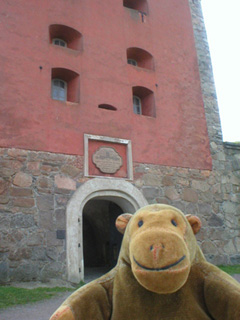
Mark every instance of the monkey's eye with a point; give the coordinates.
(140, 223)
(174, 222)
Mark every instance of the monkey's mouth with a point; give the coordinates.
(159, 269)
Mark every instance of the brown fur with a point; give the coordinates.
(161, 274)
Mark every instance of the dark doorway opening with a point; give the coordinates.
(101, 240)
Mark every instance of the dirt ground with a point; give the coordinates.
(40, 310)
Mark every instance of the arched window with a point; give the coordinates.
(132, 62)
(143, 101)
(59, 42)
(65, 85)
(140, 5)
(142, 58)
(65, 36)
(137, 105)
(59, 89)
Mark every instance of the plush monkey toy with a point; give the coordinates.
(161, 274)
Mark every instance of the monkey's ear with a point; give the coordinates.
(195, 223)
(122, 222)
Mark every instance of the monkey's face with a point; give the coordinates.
(158, 251)
(160, 245)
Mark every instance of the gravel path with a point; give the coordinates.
(35, 311)
(40, 310)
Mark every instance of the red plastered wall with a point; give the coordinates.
(30, 119)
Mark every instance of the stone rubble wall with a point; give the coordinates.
(211, 195)
(36, 186)
(220, 163)
(225, 162)
(34, 190)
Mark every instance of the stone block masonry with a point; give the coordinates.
(211, 195)
(35, 188)
(224, 193)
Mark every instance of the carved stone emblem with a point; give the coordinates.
(107, 160)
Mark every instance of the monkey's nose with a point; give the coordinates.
(156, 250)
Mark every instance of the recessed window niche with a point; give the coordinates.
(60, 34)
(65, 85)
(143, 58)
(140, 5)
(143, 101)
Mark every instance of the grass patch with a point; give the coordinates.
(10, 296)
(231, 269)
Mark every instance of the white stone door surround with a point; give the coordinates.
(123, 193)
